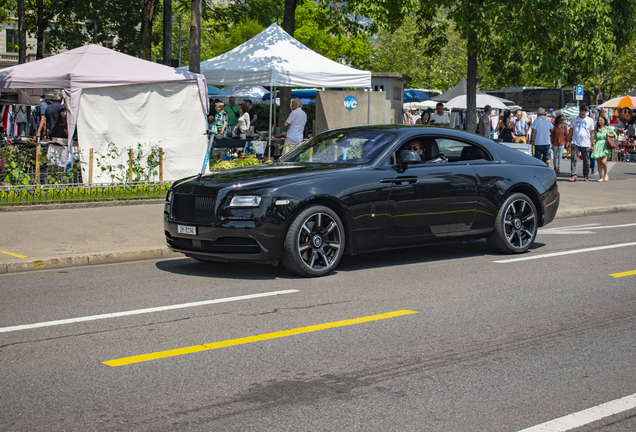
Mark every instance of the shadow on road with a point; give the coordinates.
(251, 271)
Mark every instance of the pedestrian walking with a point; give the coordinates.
(558, 136)
(540, 137)
(600, 150)
(580, 139)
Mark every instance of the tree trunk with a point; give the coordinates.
(195, 36)
(167, 32)
(471, 72)
(289, 25)
(21, 32)
(145, 35)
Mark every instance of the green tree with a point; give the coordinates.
(405, 51)
(311, 32)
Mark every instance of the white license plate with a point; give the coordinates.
(184, 229)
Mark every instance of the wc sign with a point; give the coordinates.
(350, 102)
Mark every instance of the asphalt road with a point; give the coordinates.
(494, 345)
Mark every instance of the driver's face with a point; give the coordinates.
(414, 146)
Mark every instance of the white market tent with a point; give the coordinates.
(273, 58)
(253, 93)
(482, 101)
(116, 98)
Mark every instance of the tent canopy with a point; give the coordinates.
(215, 91)
(93, 66)
(299, 93)
(412, 95)
(125, 100)
(458, 90)
(482, 101)
(241, 93)
(274, 58)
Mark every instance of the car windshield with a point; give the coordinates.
(347, 147)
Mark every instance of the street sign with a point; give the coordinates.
(350, 102)
(579, 92)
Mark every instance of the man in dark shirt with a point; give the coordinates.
(56, 120)
(252, 112)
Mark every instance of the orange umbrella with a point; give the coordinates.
(620, 102)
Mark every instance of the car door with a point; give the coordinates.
(435, 198)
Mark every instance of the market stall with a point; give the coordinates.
(273, 58)
(115, 98)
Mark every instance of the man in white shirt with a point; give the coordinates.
(581, 139)
(540, 138)
(439, 117)
(295, 124)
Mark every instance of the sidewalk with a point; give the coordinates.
(33, 238)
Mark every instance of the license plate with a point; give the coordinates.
(184, 229)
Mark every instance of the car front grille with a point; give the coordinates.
(193, 209)
(225, 245)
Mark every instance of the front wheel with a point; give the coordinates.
(314, 243)
(515, 225)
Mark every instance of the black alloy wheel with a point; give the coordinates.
(515, 225)
(314, 243)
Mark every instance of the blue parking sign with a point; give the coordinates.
(579, 92)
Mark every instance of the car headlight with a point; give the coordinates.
(245, 201)
(169, 197)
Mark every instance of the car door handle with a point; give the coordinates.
(400, 180)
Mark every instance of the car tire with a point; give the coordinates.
(515, 225)
(314, 243)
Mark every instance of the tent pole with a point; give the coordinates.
(369, 106)
(269, 124)
(274, 115)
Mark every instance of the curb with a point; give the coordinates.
(88, 259)
(90, 204)
(595, 211)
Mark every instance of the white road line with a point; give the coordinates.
(142, 311)
(576, 251)
(585, 417)
(578, 229)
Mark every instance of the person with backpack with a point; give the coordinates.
(40, 112)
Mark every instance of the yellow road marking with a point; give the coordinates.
(12, 254)
(222, 344)
(627, 273)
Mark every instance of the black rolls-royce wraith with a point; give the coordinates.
(361, 189)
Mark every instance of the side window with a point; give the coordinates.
(459, 151)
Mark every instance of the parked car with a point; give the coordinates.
(357, 189)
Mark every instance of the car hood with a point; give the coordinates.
(262, 175)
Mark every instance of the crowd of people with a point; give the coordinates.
(551, 136)
(235, 120)
(232, 120)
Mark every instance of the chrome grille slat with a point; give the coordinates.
(193, 209)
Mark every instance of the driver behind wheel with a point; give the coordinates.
(414, 145)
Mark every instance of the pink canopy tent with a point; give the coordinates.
(109, 79)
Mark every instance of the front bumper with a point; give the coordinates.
(235, 240)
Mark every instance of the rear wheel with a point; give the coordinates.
(515, 225)
(314, 243)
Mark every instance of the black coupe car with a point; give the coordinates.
(363, 189)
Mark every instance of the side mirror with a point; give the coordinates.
(408, 157)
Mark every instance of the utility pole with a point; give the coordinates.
(167, 32)
(21, 32)
(195, 36)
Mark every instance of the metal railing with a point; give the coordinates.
(74, 193)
